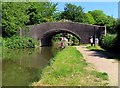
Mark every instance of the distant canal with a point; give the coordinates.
(23, 67)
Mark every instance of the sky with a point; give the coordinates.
(109, 8)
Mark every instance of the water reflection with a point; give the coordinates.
(22, 67)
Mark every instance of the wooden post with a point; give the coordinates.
(105, 31)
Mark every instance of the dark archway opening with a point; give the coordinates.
(46, 39)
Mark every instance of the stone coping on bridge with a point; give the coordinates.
(69, 22)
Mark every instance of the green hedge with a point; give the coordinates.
(116, 47)
(107, 42)
(19, 42)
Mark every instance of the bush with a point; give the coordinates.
(107, 42)
(19, 42)
(116, 47)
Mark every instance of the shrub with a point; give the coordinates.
(116, 47)
(107, 42)
(19, 42)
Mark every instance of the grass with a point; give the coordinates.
(94, 47)
(109, 54)
(69, 68)
(104, 75)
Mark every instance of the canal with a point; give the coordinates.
(22, 67)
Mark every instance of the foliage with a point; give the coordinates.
(68, 68)
(117, 26)
(16, 15)
(72, 40)
(13, 17)
(57, 16)
(102, 19)
(40, 12)
(73, 13)
(104, 75)
(75, 40)
(112, 42)
(19, 42)
(116, 47)
(94, 48)
(56, 38)
(107, 42)
(99, 17)
(89, 18)
(110, 25)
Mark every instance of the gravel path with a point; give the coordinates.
(101, 63)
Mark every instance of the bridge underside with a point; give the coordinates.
(46, 40)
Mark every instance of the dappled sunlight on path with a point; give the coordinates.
(102, 63)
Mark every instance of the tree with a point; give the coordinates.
(116, 46)
(102, 19)
(89, 18)
(73, 13)
(13, 17)
(111, 22)
(17, 15)
(99, 17)
(40, 12)
(57, 16)
(117, 26)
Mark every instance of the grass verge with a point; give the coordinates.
(68, 68)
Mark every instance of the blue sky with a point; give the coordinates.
(109, 8)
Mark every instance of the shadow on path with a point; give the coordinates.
(105, 54)
(103, 61)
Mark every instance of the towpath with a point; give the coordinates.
(101, 63)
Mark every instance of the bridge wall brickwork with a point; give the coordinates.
(45, 31)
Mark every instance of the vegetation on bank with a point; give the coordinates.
(111, 42)
(109, 54)
(19, 42)
(69, 68)
(107, 42)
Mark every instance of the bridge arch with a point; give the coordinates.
(47, 36)
(43, 32)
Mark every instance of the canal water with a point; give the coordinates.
(23, 67)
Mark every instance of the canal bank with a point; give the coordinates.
(68, 68)
(38, 67)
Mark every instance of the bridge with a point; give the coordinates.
(45, 31)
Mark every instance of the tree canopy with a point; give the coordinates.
(99, 17)
(73, 13)
(16, 15)
(117, 26)
(89, 19)
(102, 19)
(13, 17)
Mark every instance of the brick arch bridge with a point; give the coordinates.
(44, 32)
